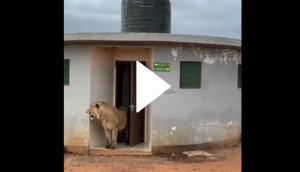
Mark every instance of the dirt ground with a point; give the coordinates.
(229, 161)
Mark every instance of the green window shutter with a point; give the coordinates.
(190, 74)
(239, 76)
(66, 72)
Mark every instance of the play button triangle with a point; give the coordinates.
(148, 86)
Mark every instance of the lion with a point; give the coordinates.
(113, 120)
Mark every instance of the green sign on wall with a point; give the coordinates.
(161, 67)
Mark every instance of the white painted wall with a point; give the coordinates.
(148, 118)
(101, 88)
(92, 78)
(77, 96)
(195, 116)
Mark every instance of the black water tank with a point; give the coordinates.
(146, 16)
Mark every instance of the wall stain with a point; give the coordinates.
(196, 134)
(77, 138)
(209, 55)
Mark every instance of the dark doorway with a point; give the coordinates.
(126, 96)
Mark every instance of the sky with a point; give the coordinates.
(220, 18)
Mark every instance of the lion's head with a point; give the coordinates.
(93, 110)
(100, 109)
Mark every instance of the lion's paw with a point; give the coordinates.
(113, 147)
(107, 146)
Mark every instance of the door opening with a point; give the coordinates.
(126, 96)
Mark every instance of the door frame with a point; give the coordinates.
(133, 56)
(116, 62)
(116, 80)
(115, 77)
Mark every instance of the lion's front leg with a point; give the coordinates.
(114, 138)
(108, 135)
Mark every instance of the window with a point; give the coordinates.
(66, 72)
(239, 76)
(190, 74)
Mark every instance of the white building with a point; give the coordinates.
(202, 107)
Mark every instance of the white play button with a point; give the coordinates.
(148, 86)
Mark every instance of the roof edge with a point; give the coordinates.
(151, 37)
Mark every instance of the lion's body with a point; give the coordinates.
(122, 118)
(113, 120)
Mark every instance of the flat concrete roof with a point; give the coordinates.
(150, 38)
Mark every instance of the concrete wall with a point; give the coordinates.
(101, 88)
(182, 117)
(77, 96)
(195, 116)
